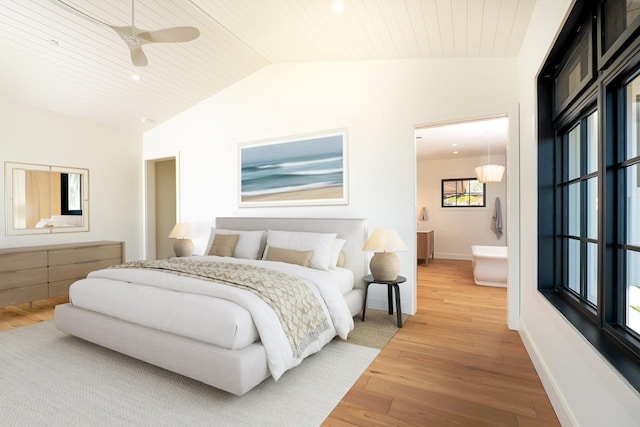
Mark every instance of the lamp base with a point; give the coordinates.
(183, 247)
(384, 266)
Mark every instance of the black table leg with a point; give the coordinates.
(398, 308)
(364, 306)
(390, 299)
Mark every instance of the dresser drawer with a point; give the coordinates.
(23, 260)
(60, 287)
(23, 294)
(85, 254)
(80, 270)
(18, 278)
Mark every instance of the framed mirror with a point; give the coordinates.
(43, 199)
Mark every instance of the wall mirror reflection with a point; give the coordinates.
(45, 199)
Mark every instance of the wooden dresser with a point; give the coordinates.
(424, 246)
(38, 272)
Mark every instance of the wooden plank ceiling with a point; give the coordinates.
(55, 60)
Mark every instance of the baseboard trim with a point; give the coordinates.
(461, 257)
(558, 402)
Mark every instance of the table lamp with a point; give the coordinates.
(384, 264)
(182, 232)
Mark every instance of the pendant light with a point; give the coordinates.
(489, 172)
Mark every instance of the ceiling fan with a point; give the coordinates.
(134, 37)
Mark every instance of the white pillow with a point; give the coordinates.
(338, 244)
(250, 243)
(320, 243)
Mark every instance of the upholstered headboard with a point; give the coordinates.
(354, 231)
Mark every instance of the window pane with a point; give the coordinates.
(633, 205)
(592, 208)
(573, 265)
(592, 142)
(573, 163)
(573, 216)
(574, 72)
(592, 273)
(633, 118)
(618, 16)
(633, 290)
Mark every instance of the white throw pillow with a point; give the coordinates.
(338, 244)
(250, 243)
(320, 243)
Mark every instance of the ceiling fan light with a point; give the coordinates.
(489, 173)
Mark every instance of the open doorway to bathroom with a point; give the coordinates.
(455, 210)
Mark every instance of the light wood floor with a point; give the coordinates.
(454, 363)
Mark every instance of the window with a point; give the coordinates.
(589, 182)
(70, 194)
(463, 193)
(580, 196)
(619, 18)
(628, 170)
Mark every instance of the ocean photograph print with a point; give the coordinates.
(302, 170)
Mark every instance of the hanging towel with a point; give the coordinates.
(423, 214)
(496, 219)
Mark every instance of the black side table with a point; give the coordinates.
(391, 285)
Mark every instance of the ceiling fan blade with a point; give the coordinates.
(170, 35)
(138, 58)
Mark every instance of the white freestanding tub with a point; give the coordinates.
(490, 265)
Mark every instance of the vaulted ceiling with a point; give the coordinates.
(57, 60)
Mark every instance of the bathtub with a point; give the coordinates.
(490, 265)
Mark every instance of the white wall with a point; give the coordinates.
(456, 229)
(378, 102)
(585, 390)
(113, 157)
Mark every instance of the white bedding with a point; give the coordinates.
(158, 308)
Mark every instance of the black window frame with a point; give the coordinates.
(604, 324)
(442, 193)
(64, 196)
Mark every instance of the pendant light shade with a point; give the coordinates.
(489, 173)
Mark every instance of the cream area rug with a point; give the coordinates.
(48, 378)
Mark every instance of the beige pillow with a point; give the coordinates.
(290, 256)
(341, 260)
(224, 244)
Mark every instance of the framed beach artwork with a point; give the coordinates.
(302, 170)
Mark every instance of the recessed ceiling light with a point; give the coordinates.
(337, 6)
(135, 77)
(455, 152)
(454, 144)
(53, 42)
(146, 120)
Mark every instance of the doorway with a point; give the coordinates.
(160, 207)
(453, 150)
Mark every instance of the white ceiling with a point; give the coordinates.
(88, 73)
(465, 139)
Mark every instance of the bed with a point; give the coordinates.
(221, 335)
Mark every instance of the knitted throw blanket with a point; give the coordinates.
(297, 307)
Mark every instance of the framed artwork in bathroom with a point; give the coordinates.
(463, 193)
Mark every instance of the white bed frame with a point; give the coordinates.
(235, 371)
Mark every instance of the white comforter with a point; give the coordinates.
(280, 356)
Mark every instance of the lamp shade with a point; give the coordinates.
(384, 240)
(489, 173)
(181, 230)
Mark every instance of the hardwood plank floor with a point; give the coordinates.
(454, 363)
